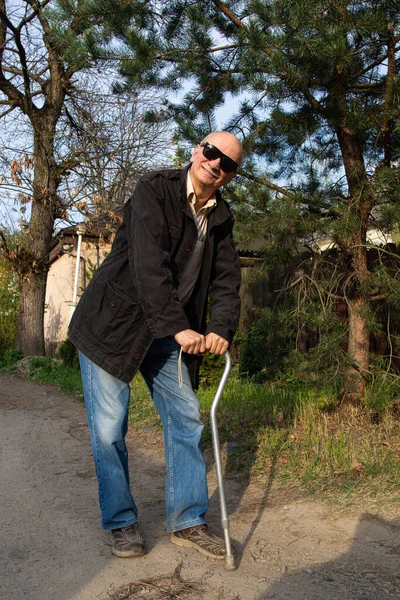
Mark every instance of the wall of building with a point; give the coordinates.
(60, 290)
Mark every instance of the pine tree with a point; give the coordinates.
(317, 83)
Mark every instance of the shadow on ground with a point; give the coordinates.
(369, 570)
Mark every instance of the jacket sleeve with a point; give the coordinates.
(224, 292)
(150, 264)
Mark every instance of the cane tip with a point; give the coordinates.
(230, 563)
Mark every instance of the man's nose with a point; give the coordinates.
(215, 164)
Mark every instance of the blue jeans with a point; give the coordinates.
(107, 402)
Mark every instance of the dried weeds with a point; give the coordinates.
(163, 587)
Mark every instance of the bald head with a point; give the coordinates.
(228, 143)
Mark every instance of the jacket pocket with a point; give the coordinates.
(175, 233)
(114, 318)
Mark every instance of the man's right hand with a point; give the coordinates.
(191, 341)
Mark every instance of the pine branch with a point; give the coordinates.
(236, 21)
(378, 249)
(267, 183)
(377, 297)
(169, 54)
(184, 51)
(377, 86)
(231, 16)
(389, 96)
(371, 66)
(305, 277)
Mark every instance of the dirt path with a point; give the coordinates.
(52, 547)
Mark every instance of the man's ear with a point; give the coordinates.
(195, 151)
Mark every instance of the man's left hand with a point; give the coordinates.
(216, 344)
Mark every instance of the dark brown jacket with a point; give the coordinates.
(132, 298)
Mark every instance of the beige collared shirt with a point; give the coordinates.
(193, 267)
(201, 216)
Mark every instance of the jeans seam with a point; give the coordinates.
(95, 443)
(171, 516)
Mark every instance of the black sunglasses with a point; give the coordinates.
(211, 152)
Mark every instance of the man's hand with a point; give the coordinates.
(216, 344)
(195, 343)
(191, 341)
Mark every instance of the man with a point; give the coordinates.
(144, 307)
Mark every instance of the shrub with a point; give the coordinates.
(9, 302)
(211, 368)
(263, 349)
(68, 353)
(10, 357)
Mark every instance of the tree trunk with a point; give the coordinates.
(30, 332)
(34, 259)
(358, 350)
(358, 315)
(353, 244)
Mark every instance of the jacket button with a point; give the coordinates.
(136, 356)
(188, 248)
(113, 303)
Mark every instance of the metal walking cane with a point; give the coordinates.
(229, 558)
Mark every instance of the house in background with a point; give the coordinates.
(76, 253)
(78, 250)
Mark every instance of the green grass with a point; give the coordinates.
(142, 411)
(46, 370)
(297, 435)
(293, 433)
(329, 452)
(67, 378)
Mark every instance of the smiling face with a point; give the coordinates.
(207, 175)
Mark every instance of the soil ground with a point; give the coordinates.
(52, 546)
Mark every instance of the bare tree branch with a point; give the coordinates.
(5, 85)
